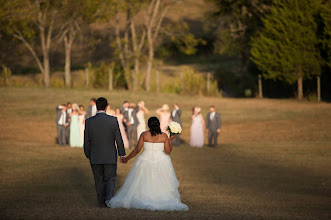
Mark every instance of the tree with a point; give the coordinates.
(25, 20)
(326, 39)
(286, 48)
(74, 14)
(236, 22)
(154, 16)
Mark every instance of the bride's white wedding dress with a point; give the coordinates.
(151, 183)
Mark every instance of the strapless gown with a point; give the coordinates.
(75, 137)
(151, 183)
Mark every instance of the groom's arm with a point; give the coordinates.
(119, 140)
(87, 140)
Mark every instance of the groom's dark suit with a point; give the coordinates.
(101, 133)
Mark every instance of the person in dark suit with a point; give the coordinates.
(213, 126)
(92, 109)
(175, 116)
(62, 122)
(129, 111)
(101, 136)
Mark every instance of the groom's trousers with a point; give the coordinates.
(104, 177)
(212, 135)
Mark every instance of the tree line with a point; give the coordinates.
(40, 23)
(287, 40)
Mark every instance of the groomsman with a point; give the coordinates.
(61, 124)
(69, 111)
(92, 109)
(213, 126)
(175, 116)
(129, 111)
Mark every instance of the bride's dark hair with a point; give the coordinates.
(154, 126)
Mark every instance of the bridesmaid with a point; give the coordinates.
(197, 128)
(164, 117)
(110, 111)
(81, 120)
(75, 137)
(120, 118)
(141, 118)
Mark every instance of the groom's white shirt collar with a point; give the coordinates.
(101, 111)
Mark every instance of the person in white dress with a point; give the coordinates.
(151, 183)
(197, 128)
(141, 118)
(81, 119)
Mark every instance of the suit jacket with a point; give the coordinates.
(59, 113)
(214, 124)
(177, 116)
(134, 115)
(88, 112)
(100, 135)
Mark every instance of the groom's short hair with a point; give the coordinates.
(101, 103)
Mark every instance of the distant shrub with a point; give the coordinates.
(57, 83)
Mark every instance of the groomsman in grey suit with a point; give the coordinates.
(62, 122)
(101, 136)
(175, 116)
(92, 109)
(129, 111)
(213, 126)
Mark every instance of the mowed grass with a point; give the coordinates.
(273, 160)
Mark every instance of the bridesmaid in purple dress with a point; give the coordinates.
(197, 128)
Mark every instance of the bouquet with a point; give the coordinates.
(174, 128)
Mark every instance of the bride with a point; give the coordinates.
(151, 183)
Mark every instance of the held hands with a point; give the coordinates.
(218, 130)
(123, 159)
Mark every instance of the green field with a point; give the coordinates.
(273, 161)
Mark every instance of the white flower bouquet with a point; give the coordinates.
(174, 128)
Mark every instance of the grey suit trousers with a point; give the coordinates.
(61, 133)
(212, 134)
(132, 133)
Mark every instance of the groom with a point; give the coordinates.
(100, 135)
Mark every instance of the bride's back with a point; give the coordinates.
(158, 138)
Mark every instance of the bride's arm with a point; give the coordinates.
(136, 151)
(168, 144)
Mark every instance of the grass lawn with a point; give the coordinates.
(273, 160)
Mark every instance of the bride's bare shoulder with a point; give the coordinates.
(164, 136)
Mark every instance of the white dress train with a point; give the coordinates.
(151, 183)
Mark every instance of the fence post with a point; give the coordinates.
(260, 86)
(181, 81)
(110, 86)
(208, 81)
(87, 77)
(157, 78)
(318, 88)
(7, 77)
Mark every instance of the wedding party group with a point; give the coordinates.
(70, 122)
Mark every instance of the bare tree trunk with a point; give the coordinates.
(45, 44)
(300, 88)
(149, 61)
(67, 66)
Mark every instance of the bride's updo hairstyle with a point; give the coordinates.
(154, 126)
